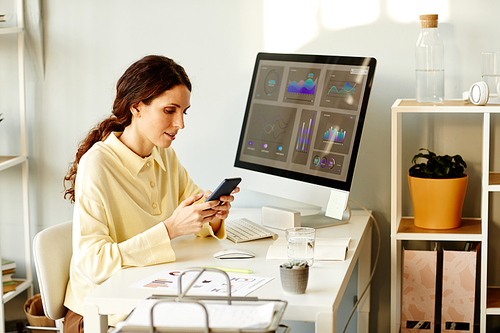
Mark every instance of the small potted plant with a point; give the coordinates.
(294, 276)
(437, 188)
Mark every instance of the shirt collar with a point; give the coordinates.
(133, 162)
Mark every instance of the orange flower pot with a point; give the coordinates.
(437, 203)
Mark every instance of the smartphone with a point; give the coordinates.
(225, 188)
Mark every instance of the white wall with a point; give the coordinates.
(88, 45)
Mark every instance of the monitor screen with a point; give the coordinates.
(304, 117)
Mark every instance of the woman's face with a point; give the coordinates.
(160, 121)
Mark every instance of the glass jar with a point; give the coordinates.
(429, 56)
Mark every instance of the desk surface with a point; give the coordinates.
(327, 280)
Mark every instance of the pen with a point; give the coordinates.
(232, 270)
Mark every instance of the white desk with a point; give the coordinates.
(327, 280)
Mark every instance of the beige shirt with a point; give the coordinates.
(121, 200)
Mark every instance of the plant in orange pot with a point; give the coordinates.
(437, 188)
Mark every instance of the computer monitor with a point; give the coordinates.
(302, 125)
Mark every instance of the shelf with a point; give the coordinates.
(11, 30)
(493, 301)
(10, 161)
(25, 288)
(448, 106)
(19, 289)
(494, 182)
(470, 230)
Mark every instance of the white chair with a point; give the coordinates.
(52, 251)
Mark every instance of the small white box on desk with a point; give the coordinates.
(280, 218)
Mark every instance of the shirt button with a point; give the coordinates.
(152, 184)
(155, 205)
(148, 164)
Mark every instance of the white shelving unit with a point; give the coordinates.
(7, 162)
(472, 229)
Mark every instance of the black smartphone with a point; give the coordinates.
(225, 188)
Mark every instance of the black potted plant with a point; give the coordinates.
(437, 188)
(437, 166)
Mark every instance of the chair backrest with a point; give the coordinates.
(52, 251)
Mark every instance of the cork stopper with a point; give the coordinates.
(428, 21)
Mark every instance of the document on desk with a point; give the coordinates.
(325, 249)
(210, 283)
(180, 314)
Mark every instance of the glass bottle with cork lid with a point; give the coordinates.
(429, 56)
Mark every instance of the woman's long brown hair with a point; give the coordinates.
(143, 81)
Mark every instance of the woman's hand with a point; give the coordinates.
(189, 218)
(222, 209)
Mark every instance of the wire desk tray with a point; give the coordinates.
(225, 311)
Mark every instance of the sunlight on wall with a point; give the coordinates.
(343, 14)
(409, 10)
(289, 24)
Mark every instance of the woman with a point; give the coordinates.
(132, 196)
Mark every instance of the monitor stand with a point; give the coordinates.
(320, 220)
(283, 218)
(337, 212)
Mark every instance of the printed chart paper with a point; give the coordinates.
(209, 283)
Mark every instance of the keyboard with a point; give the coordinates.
(243, 230)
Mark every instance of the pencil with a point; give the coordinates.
(231, 270)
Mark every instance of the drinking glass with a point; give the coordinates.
(300, 244)
(490, 71)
